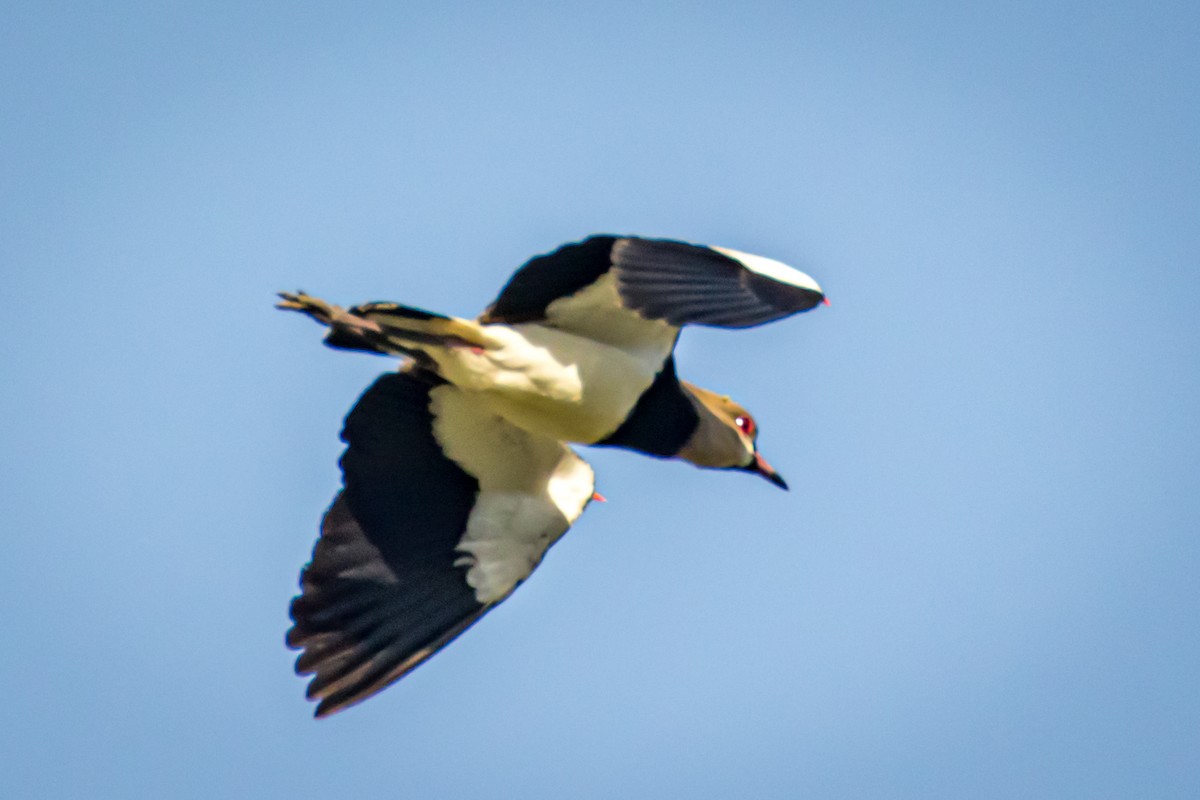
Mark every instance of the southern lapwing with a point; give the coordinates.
(457, 472)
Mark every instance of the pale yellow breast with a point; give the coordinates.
(552, 382)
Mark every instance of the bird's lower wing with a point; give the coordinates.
(445, 510)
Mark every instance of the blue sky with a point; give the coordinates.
(983, 582)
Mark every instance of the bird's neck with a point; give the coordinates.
(714, 443)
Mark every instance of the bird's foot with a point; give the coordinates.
(347, 330)
(322, 312)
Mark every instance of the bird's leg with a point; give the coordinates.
(414, 325)
(323, 312)
(347, 330)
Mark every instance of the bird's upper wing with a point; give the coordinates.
(445, 510)
(604, 282)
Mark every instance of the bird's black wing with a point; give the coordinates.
(656, 279)
(382, 593)
(543, 279)
(692, 284)
(445, 510)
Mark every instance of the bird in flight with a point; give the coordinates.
(457, 473)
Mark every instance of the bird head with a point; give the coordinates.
(726, 436)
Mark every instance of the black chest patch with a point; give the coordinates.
(662, 421)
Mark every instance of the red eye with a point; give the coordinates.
(746, 425)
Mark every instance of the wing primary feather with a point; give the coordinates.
(382, 585)
(386, 587)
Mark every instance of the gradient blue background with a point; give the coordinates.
(984, 580)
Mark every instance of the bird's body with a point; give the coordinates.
(548, 381)
(458, 476)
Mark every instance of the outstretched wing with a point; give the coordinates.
(445, 510)
(606, 281)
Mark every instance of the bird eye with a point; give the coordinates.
(745, 425)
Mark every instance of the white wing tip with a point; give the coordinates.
(770, 268)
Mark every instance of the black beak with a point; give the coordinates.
(761, 467)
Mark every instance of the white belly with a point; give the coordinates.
(554, 383)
